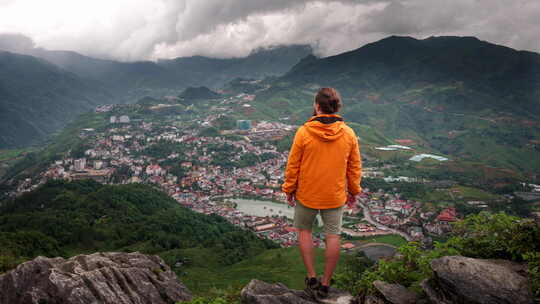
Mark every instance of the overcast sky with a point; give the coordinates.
(151, 29)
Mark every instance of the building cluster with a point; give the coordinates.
(200, 172)
(388, 214)
(441, 224)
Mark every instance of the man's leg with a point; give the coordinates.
(306, 251)
(303, 221)
(331, 257)
(332, 219)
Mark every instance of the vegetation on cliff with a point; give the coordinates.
(483, 235)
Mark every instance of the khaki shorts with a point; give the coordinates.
(304, 217)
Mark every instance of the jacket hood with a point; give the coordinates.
(327, 127)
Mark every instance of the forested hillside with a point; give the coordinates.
(38, 98)
(66, 218)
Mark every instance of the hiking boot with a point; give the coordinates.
(322, 291)
(312, 286)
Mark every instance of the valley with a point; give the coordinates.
(206, 164)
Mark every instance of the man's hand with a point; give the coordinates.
(351, 200)
(291, 199)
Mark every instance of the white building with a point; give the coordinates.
(98, 164)
(118, 138)
(80, 164)
(154, 170)
(124, 119)
(419, 157)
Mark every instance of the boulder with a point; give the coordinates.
(373, 300)
(536, 218)
(110, 277)
(367, 299)
(259, 292)
(461, 279)
(395, 293)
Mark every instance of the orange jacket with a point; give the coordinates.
(324, 163)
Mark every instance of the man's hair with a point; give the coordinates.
(328, 100)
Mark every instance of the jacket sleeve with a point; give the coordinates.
(354, 168)
(293, 163)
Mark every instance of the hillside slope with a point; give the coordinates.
(67, 218)
(458, 96)
(500, 77)
(38, 98)
(129, 81)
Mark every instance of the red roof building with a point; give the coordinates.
(447, 215)
(348, 246)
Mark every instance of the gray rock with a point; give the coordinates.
(536, 217)
(111, 277)
(259, 292)
(395, 293)
(373, 300)
(434, 293)
(460, 279)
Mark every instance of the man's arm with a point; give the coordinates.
(293, 163)
(354, 169)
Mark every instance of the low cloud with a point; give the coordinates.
(16, 43)
(153, 29)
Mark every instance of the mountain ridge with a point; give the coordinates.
(164, 76)
(37, 96)
(441, 92)
(102, 81)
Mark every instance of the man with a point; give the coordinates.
(323, 174)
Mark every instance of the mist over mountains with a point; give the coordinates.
(474, 104)
(444, 93)
(38, 98)
(26, 95)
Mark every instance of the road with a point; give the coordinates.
(368, 218)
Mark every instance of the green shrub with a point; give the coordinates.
(533, 262)
(409, 269)
(65, 218)
(218, 296)
(484, 235)
(500, 236)
(350, 274)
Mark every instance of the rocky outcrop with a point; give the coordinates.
(395, 293)
(460, 279)
(536, 218)
(111, 277)
(259, 292)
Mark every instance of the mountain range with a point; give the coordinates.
(458, 96)
(41, 90)
(38, 98)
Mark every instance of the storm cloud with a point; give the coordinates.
(152, 29)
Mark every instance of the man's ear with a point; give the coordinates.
(316, 108)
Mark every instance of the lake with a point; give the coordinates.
(264, 208)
